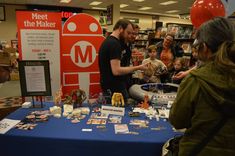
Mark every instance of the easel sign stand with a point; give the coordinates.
(34, 106)
(35, 79)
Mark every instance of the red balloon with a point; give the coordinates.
(204, 10)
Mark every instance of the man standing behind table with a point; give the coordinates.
(112, 56)
(127, 45)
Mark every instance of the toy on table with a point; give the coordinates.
(57, 97)
(101, 99)
(133, 114)
(144, 104)
(117, 99)
(78, 97)
(67, 100)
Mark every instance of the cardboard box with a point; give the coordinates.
(5, 59)
(14, 76)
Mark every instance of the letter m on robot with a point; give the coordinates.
(83, 56)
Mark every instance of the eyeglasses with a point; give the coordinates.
(169, 39)
(197, 45)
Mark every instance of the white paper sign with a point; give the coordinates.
(113, 110)
(43, 45)
(7, 124)
(35, 78)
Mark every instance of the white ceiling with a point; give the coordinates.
(183, 5)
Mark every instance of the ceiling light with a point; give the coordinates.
(138, 0)
(123, 5)
(172, 11)
(95, 3)
(145, 8)
(168, 2)
(65, 1)
(99, 8)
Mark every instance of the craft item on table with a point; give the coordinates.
(114, 119)
(28, 123)
(101, 126)
(75, 121)
(65, 114)
(157, 117)
(67, 109)
(26, 105)
(163, 113)
(76, 112)
(98, 115)
(36, 116)
(57, 97)
(140, 123)
(158, 128)
(154, 99)
(96, 121)
(144, 104)
(57, 115)
(25, 126)
(76, 118)
(85, 110)
(134, 133)
(121, 129)
(41, 112)
(101, 99)
(55, 111)
(82, 117)
(133, 114)
(137, 109)
(96, 110)
(67, 100)
(169, 104)
(117, 99)
(150, 113)
(69, 116)
(78, 97)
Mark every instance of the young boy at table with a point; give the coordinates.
(156, 67)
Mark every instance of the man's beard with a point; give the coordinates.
(121, 36)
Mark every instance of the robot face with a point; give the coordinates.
(89, 25)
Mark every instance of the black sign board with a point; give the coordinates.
(35, 78)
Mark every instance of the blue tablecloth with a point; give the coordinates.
(60, 137)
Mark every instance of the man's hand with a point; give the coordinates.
(180, 75)
(144, 66)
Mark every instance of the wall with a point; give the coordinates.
(145, 21)
(173, 20)
(8, 28)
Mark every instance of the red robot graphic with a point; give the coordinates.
(81, 39)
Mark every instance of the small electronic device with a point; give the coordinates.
(134, 114)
